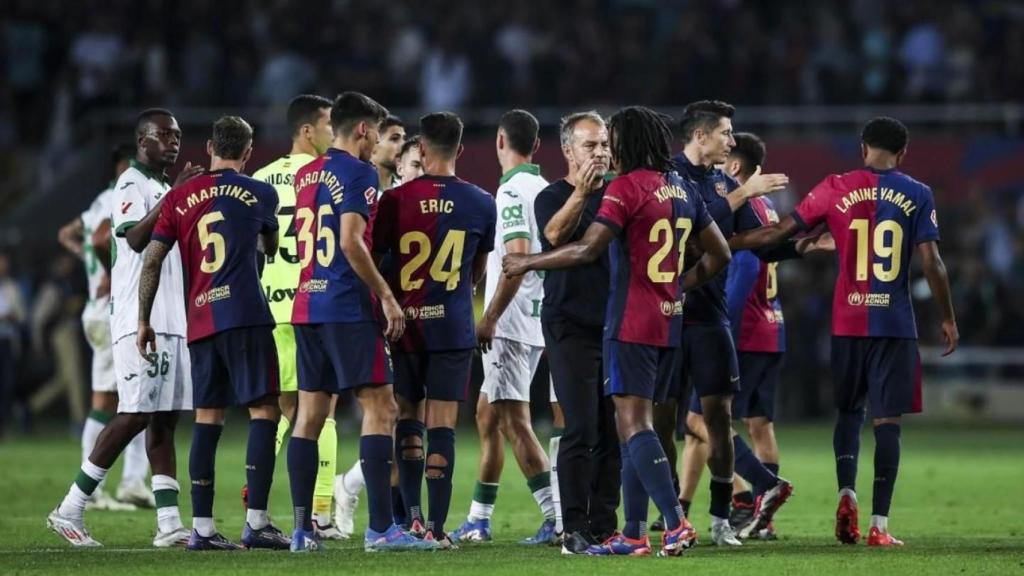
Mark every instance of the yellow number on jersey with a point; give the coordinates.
(772, 288)
(887, 243)
(211, 239)
(307, 243)
(661, 232)
(446, 266)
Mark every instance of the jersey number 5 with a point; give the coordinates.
(210, 239)
(888, 243)
(662, 233)
(446, 265)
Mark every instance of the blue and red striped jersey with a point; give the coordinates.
(876, 218)
(329, 290)
(653, 215)
(752, 294)
(217, 217)
(431, 229)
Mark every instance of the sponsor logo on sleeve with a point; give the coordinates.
(935, 219)
(721, 189)
(125, 206)
(371, 195)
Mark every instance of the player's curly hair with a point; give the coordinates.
(640, 138)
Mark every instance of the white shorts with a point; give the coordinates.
(96, 324)
(508, 370)
(163, 384)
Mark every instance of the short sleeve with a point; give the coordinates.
(814, 207)
(271, 207)
(545, 206)
(926, 222)
(166, 228)
(512, 215)
(360, 192)
(128, 206)
(384, 222)
(618, 204)
(490, 223)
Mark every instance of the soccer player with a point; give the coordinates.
(879, 217)
(152, 390)
(438, 230)
(646, 221)
(385, 153)
(708, 352)
(218, 219)
(510, 338)
(309, 119)
(572, 319)
(337, 334)
(410, 160)
(88, 237)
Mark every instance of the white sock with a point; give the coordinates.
(90, 432)
(257, 519)
(880, 522)
(168, 518)
(556, 495)
(716, 521)
(543, 499)
(322, 520)
(848, 492)
(353, 479)
(136, 462)
(480, 511)
(74, 502)
(204, 526)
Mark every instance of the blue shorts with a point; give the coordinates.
(234, 368)
(336, 357)
(442, 375)
(886, 372)
(759, 377)
(709, 361)
(638, 370)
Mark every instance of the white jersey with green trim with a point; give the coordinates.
(93, 216)
(517, 191)
(136, 192)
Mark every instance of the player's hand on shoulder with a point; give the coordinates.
(485, 334)
(761, 184)
(187, 173)
(514, 264)
(395, 317)
(951, 336)
(145, 340)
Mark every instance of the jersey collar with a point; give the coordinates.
(524, 167)
(146, 170)
(691, 170)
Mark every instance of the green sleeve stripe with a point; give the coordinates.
(123, 227)
(514, 235)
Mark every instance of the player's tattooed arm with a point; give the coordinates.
(70, 237)
(594, 243)
(353, 227)
(716, 256)
(149, 283)
(765, 235)
(935, 271)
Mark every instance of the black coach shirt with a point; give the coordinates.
(580, 293)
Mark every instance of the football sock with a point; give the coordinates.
(201, 465)
(634, 498)
(721, 496)
(259, 466)
(440, 443)
(327, 446)
(846, 445)
(887, 463)
(136, 461)
(540, 487)
(88, 478)
(375, 456)
(282, 430)
(880, 522)
(302, 458)
(94, 424)
(685, 505)
(745, 497)
(205, 527)
(353, 480)
(165, 492)
(485, 495)
(410, 467)
(556, 494)
(772, 467)
(652, 468)
(750, 468)
(398, 507)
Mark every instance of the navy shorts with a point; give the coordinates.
(759, 377)
(441, 375)
(638, 369)
(885, 372)
(709, 361)
(234, 368)
(336, 357)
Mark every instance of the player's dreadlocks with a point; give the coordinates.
(640, 138)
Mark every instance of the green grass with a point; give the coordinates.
(957, 506)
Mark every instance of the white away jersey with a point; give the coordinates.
(516, 193)
(97, 212)
(136, 192)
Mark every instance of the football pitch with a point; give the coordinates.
(957, 507)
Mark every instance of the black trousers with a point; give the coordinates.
(589, 465)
